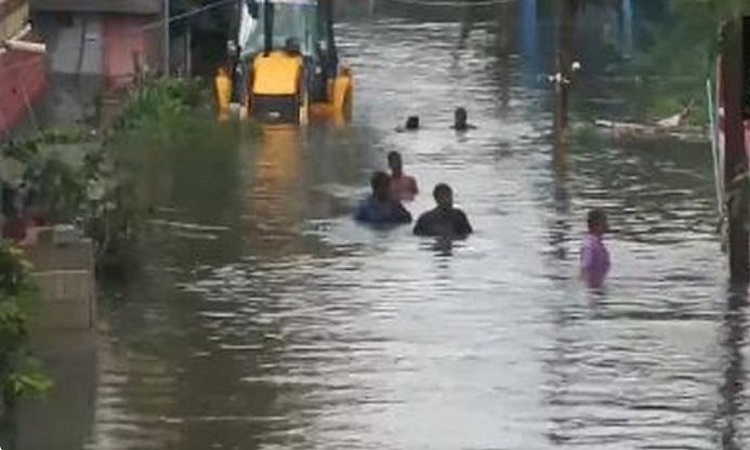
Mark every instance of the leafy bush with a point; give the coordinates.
(155, 111)
(100, 192)
(20, 374)
(160, 102)
(54, 185)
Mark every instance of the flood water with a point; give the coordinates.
(266, 319)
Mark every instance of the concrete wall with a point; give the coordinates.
(65, 276)
(98, 44)
(62, 419)
(22, 74)
(70, 98)
(74, 42)
(125, 41)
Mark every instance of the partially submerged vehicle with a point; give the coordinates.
(289, 57)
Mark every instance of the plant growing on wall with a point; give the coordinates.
(20, 374)
(100, 192)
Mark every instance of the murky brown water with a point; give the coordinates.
(269, 320)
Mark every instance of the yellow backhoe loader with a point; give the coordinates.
(289, 62)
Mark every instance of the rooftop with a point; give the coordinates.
(106, 6)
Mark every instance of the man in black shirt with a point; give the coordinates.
(444, 220)
(461, 121)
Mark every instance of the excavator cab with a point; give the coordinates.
(289, 55)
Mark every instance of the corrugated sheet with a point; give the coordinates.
(8, 6)
(107, 6)
(13, 17)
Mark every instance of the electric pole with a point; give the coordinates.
(735, 160)
(166, 38)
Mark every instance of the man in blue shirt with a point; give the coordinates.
(380, 208)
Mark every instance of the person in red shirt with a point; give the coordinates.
(403, 187)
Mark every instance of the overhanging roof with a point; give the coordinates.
(102, 6)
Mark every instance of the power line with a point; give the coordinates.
(167, 42)
(187, 14)
(452, 4)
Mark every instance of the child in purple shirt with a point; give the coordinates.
(595, 262)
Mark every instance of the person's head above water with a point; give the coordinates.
(460, 118)
(380, 183)
(395, 163)
(443, 196)
(412, 123)
(597, 222)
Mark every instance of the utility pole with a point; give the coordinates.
(735, 159)
(566, 10)
(566, 15)
(234, 53)
(166, 37)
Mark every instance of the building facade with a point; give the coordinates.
(22, 67)
(96, 47)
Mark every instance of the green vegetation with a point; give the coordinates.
(20, 374)
(55, 181)
(79, 176)
(157, 112)
(160, 103)
(674, 50)
(672, 70)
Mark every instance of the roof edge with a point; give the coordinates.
(138, 7)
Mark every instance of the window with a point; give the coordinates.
(291, 20)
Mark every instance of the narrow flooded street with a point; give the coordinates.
(266, 319)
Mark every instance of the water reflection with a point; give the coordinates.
(70, 408)
(560, 226)
(732, 389)
(442, 247)
(275, 199)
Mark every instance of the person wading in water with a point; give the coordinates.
(380, 208)
(595, 261)
(403, 187)
(444, 220)
(461, 120)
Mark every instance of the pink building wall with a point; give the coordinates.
(22, 83)
(123, 37)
